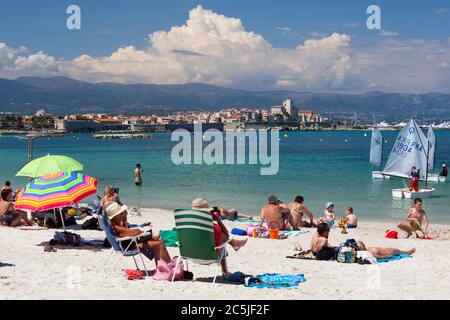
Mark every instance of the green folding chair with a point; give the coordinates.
(196, 239)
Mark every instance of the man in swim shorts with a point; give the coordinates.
(414, 220)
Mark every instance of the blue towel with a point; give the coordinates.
(394, 258)
(275, 280)
(246, 221)
(239, 232)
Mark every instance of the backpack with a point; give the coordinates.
(91, 224)
(67, 238)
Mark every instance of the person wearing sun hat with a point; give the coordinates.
(150, 245)
(221, 233)
(328, 216)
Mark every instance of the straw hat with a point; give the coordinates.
(114, 209)
(200, 203)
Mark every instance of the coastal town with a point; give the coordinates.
(282, 117)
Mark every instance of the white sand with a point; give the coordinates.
(72, 273)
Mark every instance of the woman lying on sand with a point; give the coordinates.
(379, 252)
(8, 215)
(230, 214)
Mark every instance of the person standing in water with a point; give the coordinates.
(138, 175)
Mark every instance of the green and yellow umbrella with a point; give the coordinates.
(49, 164)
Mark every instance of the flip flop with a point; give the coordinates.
(49, 249)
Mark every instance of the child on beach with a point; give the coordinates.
(350, 218)
(329, 215)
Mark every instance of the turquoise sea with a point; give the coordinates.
(321, 166)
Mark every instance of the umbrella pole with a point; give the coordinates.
(62, 219)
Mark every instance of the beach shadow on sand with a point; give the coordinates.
(219, 280)
(2, 264)
(69, 247)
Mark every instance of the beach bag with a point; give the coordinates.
(165, 271)
(391, 234)
(346, 254)
(67, 238)
(91, 224)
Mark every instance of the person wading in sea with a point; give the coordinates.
(138, 175)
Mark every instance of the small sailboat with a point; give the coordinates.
(411, 149)
(432, 177)
(376, 153)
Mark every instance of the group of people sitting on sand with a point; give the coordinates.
(291, 215)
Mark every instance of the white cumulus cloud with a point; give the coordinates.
(215, 49)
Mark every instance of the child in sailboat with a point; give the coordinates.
(414, 176)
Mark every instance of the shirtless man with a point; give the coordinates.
(380, 253)
(319, 243)
(231, 214)
(274, 212)
(297, 210)
(416, 216)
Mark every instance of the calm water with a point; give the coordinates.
(321, 171)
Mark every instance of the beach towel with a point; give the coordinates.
(394, 258)
(169, 237)
(304, 255)
(293, 233)
(246, 220)
(275, 280)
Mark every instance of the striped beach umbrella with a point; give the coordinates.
(55, 190)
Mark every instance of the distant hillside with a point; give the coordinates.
(61, 95)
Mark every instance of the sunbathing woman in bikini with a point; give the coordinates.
(379, 252)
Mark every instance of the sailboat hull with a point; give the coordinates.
(379, 175)
(436, 178)
(406, 194)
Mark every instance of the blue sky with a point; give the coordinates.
(110, 25)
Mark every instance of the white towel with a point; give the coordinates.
(366, 255)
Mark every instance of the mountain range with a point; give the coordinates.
(60, 95)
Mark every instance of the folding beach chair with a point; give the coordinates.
(116, 242)
(196, 238)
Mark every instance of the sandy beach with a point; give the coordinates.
(27, 272)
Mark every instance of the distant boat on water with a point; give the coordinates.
(411, 149)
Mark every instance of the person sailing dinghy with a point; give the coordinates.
(411, 149)
(433, 177)
(376, 153)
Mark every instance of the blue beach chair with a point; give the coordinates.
(116, 242)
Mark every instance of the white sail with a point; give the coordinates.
(376, 147)
(409, 150)
(432, 148)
